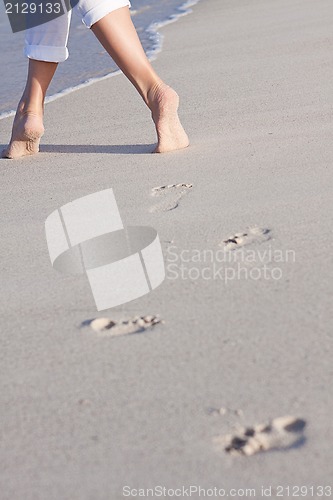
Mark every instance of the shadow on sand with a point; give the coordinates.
(122, 149)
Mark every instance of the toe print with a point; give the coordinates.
(252, 235)
(280, 433)
(109, 328)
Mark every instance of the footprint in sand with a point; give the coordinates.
(109, 328)
(280, 433)
(254, 234)
(170, 196)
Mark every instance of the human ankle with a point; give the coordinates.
(31, 105)
(28, 108)
(150, 92)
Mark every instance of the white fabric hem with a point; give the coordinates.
(46, 53)
(97, 13)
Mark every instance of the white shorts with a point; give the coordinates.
(48, 42)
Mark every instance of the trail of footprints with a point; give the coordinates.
(280, 433)
(170, 196)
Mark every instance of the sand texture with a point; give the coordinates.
(84, 414)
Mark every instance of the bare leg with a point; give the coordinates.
(118, 36)
(28, 122)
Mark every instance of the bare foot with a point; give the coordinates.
(27, 130)
(163, 102)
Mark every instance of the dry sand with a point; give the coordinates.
(84, 415)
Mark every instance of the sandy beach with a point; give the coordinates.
(85, 414)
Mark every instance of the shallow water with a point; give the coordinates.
(87, 58)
